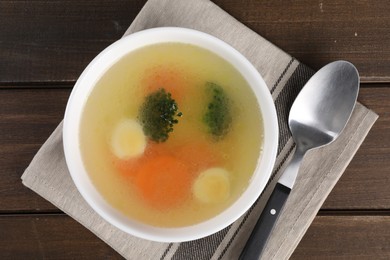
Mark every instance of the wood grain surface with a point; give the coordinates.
(45, 45)
(332, 237)
(44, 41)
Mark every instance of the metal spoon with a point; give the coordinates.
(317, 117)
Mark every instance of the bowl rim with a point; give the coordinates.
(85, 84)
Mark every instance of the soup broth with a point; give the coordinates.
(171, 135)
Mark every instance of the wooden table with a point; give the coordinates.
(44, 46)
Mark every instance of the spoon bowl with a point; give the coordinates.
(324, 105)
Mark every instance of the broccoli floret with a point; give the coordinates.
(158, 114)
(218, 116)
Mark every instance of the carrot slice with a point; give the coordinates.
(164, 174)
(199, 155)
(128, 168)
(164, 182)
(169, 78)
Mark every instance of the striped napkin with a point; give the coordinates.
(49, 177)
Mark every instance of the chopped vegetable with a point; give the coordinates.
(170, 77)
(128, 139)
(129, 168)
(199, 154)
(212, 186)
(218, 114)
(164, 182)
(158, 114)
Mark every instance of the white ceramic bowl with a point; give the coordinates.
(85, 85)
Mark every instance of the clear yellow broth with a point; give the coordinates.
(120, 92)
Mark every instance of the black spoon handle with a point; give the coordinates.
(258, 239)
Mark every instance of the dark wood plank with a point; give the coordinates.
(29, 116)
(318, 32)
(49, 237)
(55, 40)
(366, 181)
(363, 237)
(60, 237)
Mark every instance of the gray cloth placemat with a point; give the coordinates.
(48, 175)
